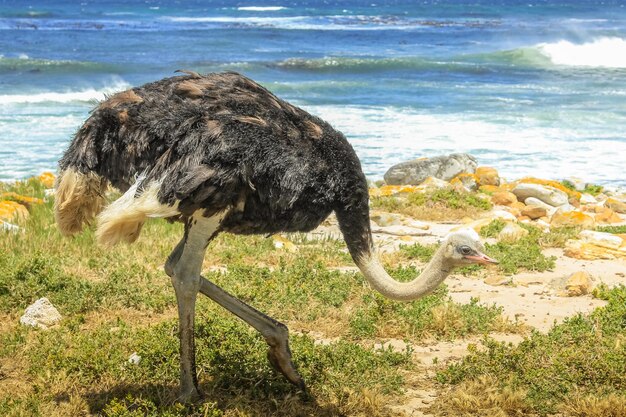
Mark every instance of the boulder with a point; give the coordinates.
(502, 215)
(615, 204)
(21, 199)
(467, 180)
(8, 227)
(47, 179)
(503, 198)
(579, 283)
(511, 233)
(572, 218)
(588, 199)
(41, 314)
(444, 167)
(547, 194)
(384, 219)
(608, 216)
(554, 184)
(281, 242)
(432, 183)
(592, 245)
(534, 212)
(10, 210)
(578, 183)
(487, 176)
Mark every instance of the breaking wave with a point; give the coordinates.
(86, 95)
(602, 52)
(26, 64)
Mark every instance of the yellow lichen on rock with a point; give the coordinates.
(47, 179)
(281, 242)
(503, 198)
(554, 184)
(21, 199)
(388, 190)
(579, 283)
(616, 205)
(608, 216)
(10, 210)
(572, 218)
(596, 245)
(487, 176)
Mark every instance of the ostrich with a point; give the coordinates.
(220, 153)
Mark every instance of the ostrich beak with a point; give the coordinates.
(481, 258)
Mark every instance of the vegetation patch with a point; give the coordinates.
(440, 204)
(583, 358)
(612, 229)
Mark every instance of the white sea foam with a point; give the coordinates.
(261, 8)
(384, 136)
(86, 95)
(603, 52)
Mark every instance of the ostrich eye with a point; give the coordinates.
(465, 250)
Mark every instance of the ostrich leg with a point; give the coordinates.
(275, 333)
(184, 266)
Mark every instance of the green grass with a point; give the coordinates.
(589, 188)
(118, 301)
(584, 357)
(441, 204)
(612, 229)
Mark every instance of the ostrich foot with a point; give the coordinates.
(189, 395)
(279, 356)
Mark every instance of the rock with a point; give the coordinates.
(503, 198)
(432, 183)
(553, 184)
(534, 212)
(532, 201)
(487, 176)
(8, 227)
(10, 210)
(579, 283)
(497, 280)
(572, 218)
(476, 225)
(384, 219)
(281, 242)
(588, 199)
(444, 167)
(134, 359)
(41, 314)
(596, 245)
(548, 195)
(616, 204)
(47, 179)
(467, 180)
(608, 216)
(21, 199)
(398, 230)
(503, 215)
(511, 233)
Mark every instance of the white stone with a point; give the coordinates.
(578, 183)
(502, 214)
(134, 359)
(606, 240)
(512, 232)
(547, 194)
(8, 227)
(41, 314)
(588, 199)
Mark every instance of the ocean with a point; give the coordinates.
(529, 87)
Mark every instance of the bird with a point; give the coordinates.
(220, 153)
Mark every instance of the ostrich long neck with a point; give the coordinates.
(355, 226)
(433, 274)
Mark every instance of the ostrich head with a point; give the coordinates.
(464, 247)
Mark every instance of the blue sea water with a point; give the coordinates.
(529, 87)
